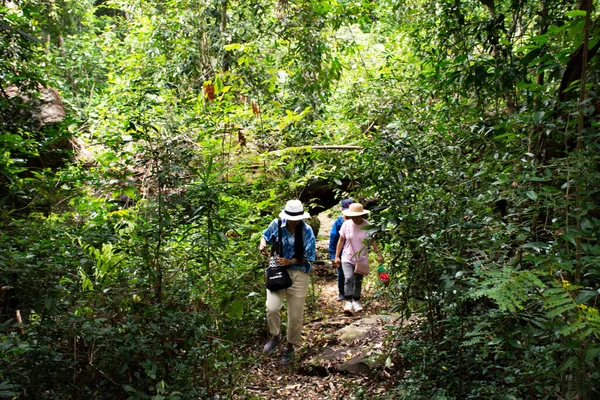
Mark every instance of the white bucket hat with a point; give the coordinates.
(355, 210)
(293, 211)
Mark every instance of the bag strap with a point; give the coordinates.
(279, 237)
(277, 248)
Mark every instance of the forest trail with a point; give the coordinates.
(311, 376)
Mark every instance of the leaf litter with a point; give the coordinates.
(267, 379)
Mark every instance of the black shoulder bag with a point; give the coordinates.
(277, 275)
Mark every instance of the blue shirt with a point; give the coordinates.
(334, 236)
(310, 244)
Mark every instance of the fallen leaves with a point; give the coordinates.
(267, 379)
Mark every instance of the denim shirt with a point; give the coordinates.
(310, 244)
(334, 237)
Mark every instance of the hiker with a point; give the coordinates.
(351, 253)
(299, 252)
(334, 236)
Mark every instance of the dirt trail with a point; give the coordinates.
(267, 379)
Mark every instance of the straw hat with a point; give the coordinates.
(293, 211)
(355, 210)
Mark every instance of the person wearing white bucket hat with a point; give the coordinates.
(299, 252)
(354, 240)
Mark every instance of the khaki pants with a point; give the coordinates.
(295, 296)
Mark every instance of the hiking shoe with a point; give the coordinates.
(348, 308)
(272, 344)
(356, 306)
(287, 356)
(340, 297)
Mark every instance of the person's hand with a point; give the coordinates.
(380, 258)
(263, 249)
(336, 261)
(284, 261)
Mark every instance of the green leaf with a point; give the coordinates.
(129, 389)
(532, 195)
(236, 309)
(232, 46)
(532, 55)
(591, 353)
(49, 302)
(571, 362)
(537, 179)
(576, 13)
(538, 116)
(537, 246)
(515, 343)
(584, 296)
(129, 191)
(569, 238)
(8, 390)
(218, 84)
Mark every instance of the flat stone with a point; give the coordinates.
(363, 364)
(349, 360)
(362, 328)
(326, 362)
(355, 366)
(352, 332)
(359, 351)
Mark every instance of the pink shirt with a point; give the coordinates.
(355, 245)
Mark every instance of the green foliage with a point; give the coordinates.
(479, 158)
(477, 205)
(508, 288)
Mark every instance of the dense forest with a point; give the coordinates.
(145, 146)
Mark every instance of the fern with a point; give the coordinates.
(477, 336)
(512, 290)
(579, 320)
(508, 288)
(475, 340)
(591, 316)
